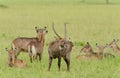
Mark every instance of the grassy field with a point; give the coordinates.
(92, 21)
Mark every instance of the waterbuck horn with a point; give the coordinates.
(65, 30)
(55, 31)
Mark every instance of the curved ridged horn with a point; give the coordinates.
(65, 30)
(54, 30)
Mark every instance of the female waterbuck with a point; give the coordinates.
(114, 45)
(13, 62)
(61, 47)
(87, 48)
(94, 55)
(21, 43)
(36, 47)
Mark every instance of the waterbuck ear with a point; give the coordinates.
(88, 43)
(106, 45)
(117, 40)
(45, 27)
(113, 39)
(6, 49)
(97, 45)
(69, 39)
(36, 28)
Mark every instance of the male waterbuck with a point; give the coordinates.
(14, 62)
(21, 43)
(114, 45)
(36, 47)
(61, 47)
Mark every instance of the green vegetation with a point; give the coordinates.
(91, 21)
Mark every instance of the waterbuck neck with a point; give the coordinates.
(41, 39)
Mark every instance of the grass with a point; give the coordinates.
(94, 23)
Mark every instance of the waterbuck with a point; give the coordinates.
(36, 47)
(94, 55)
(14, 62)
(114, 45)
(21, 43)
(87, 48)
(61, 47)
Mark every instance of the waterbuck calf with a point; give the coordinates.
(36, 47)
(61, 47)
(21, 43)
(114, 46)
(13, 62)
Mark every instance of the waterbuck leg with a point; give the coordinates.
(50, 62)
(59, 63)
(31, 58)
(17, 52)
(68, 63)
(40, 57)
(34, 57)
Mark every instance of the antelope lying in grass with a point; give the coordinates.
(36, 47)
(61, 47)
(114, 46)
(105, 55)
(21, 43)
(87, 49)
(94, 55)
(13, 62)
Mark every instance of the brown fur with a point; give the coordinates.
(21, 43)
(39, 45)
(60, 48)
(87, 49)
(92, 55)
(114, 46)
(13, 62)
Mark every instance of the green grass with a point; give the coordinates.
(89, 21)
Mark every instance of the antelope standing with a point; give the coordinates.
(58, 48)
(36, 47)
(21, 43)
(14, 62)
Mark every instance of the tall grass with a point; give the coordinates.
(93, 23)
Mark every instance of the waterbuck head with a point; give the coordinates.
(101, 48)
(114, 45)
(11, 56)
(87, 48)
(41, 33)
